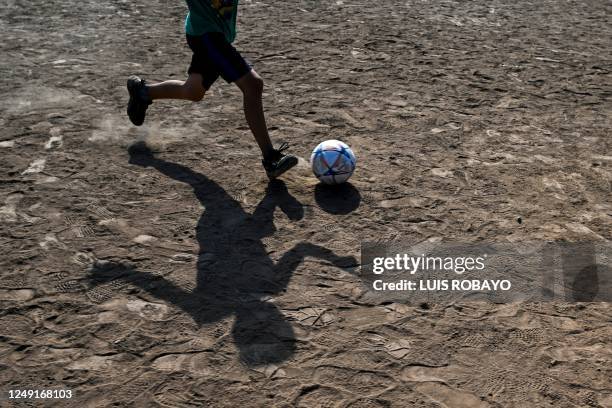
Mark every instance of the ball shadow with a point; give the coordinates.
(337, 199)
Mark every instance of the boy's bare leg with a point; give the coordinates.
(191, 89)
(274, 161)
(142, 94)
(251, 86)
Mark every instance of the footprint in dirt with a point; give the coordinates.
(234, 270)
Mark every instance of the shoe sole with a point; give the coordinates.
(287, 165)
(132, 87)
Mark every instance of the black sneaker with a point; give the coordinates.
(139, 100)
(278, 163)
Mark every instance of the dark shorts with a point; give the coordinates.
(213, 56)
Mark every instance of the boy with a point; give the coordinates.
(211, 28)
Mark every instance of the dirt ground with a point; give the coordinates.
(177, 277)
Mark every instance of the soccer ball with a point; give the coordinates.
(333, 162)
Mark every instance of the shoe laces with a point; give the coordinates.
(284, 146)
(276, 154)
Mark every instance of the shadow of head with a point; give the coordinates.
(337, 199)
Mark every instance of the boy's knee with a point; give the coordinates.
(254, 86)
(194, 93)
(258, 84)
(198, 96)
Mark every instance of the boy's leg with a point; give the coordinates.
(142, 94)
(251, 86)
(192, 89)
(274, 161)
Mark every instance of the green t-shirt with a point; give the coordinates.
(212, 16)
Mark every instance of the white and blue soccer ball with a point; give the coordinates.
(333, 162)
